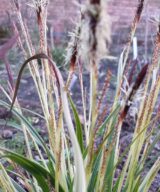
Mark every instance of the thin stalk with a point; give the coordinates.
(83, 104)
(93, 112)
(5, 181)
(58, 146)
(33, 66)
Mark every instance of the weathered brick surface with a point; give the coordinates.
(62, 14)
(63, 11)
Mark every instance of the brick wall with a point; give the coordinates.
(122, 13)
(62, 13)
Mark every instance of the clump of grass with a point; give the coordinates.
(70, 161)
(58, 55)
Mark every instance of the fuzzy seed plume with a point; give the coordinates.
(40, 3)
(91, 36)
(73, 46)
(40, 7)
(95, 31)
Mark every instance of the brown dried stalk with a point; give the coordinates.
(131, 35)
(104, 111)
(104, 89)
(4, 49)
(127, 104)
(73, 53)
(95, 48)
(133, 91)
(134, 26)
(133, 69)
(154, 64)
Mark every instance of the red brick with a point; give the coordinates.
(63, 12)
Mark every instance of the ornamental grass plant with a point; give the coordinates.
(71, 161)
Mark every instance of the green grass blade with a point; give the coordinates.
(107, 120)
(105, 139)
(147, 181)
(79, 131)
(5, 181)
(33, 168)
(95, 170)
(108, 181)
(156, 140)
(109, 172)
(31, 112)
(123, 155)
(42, 175)
(137, 185)
(115, 188)
(11, 124)
(17, 186)
(29, 127)
(32, 131)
